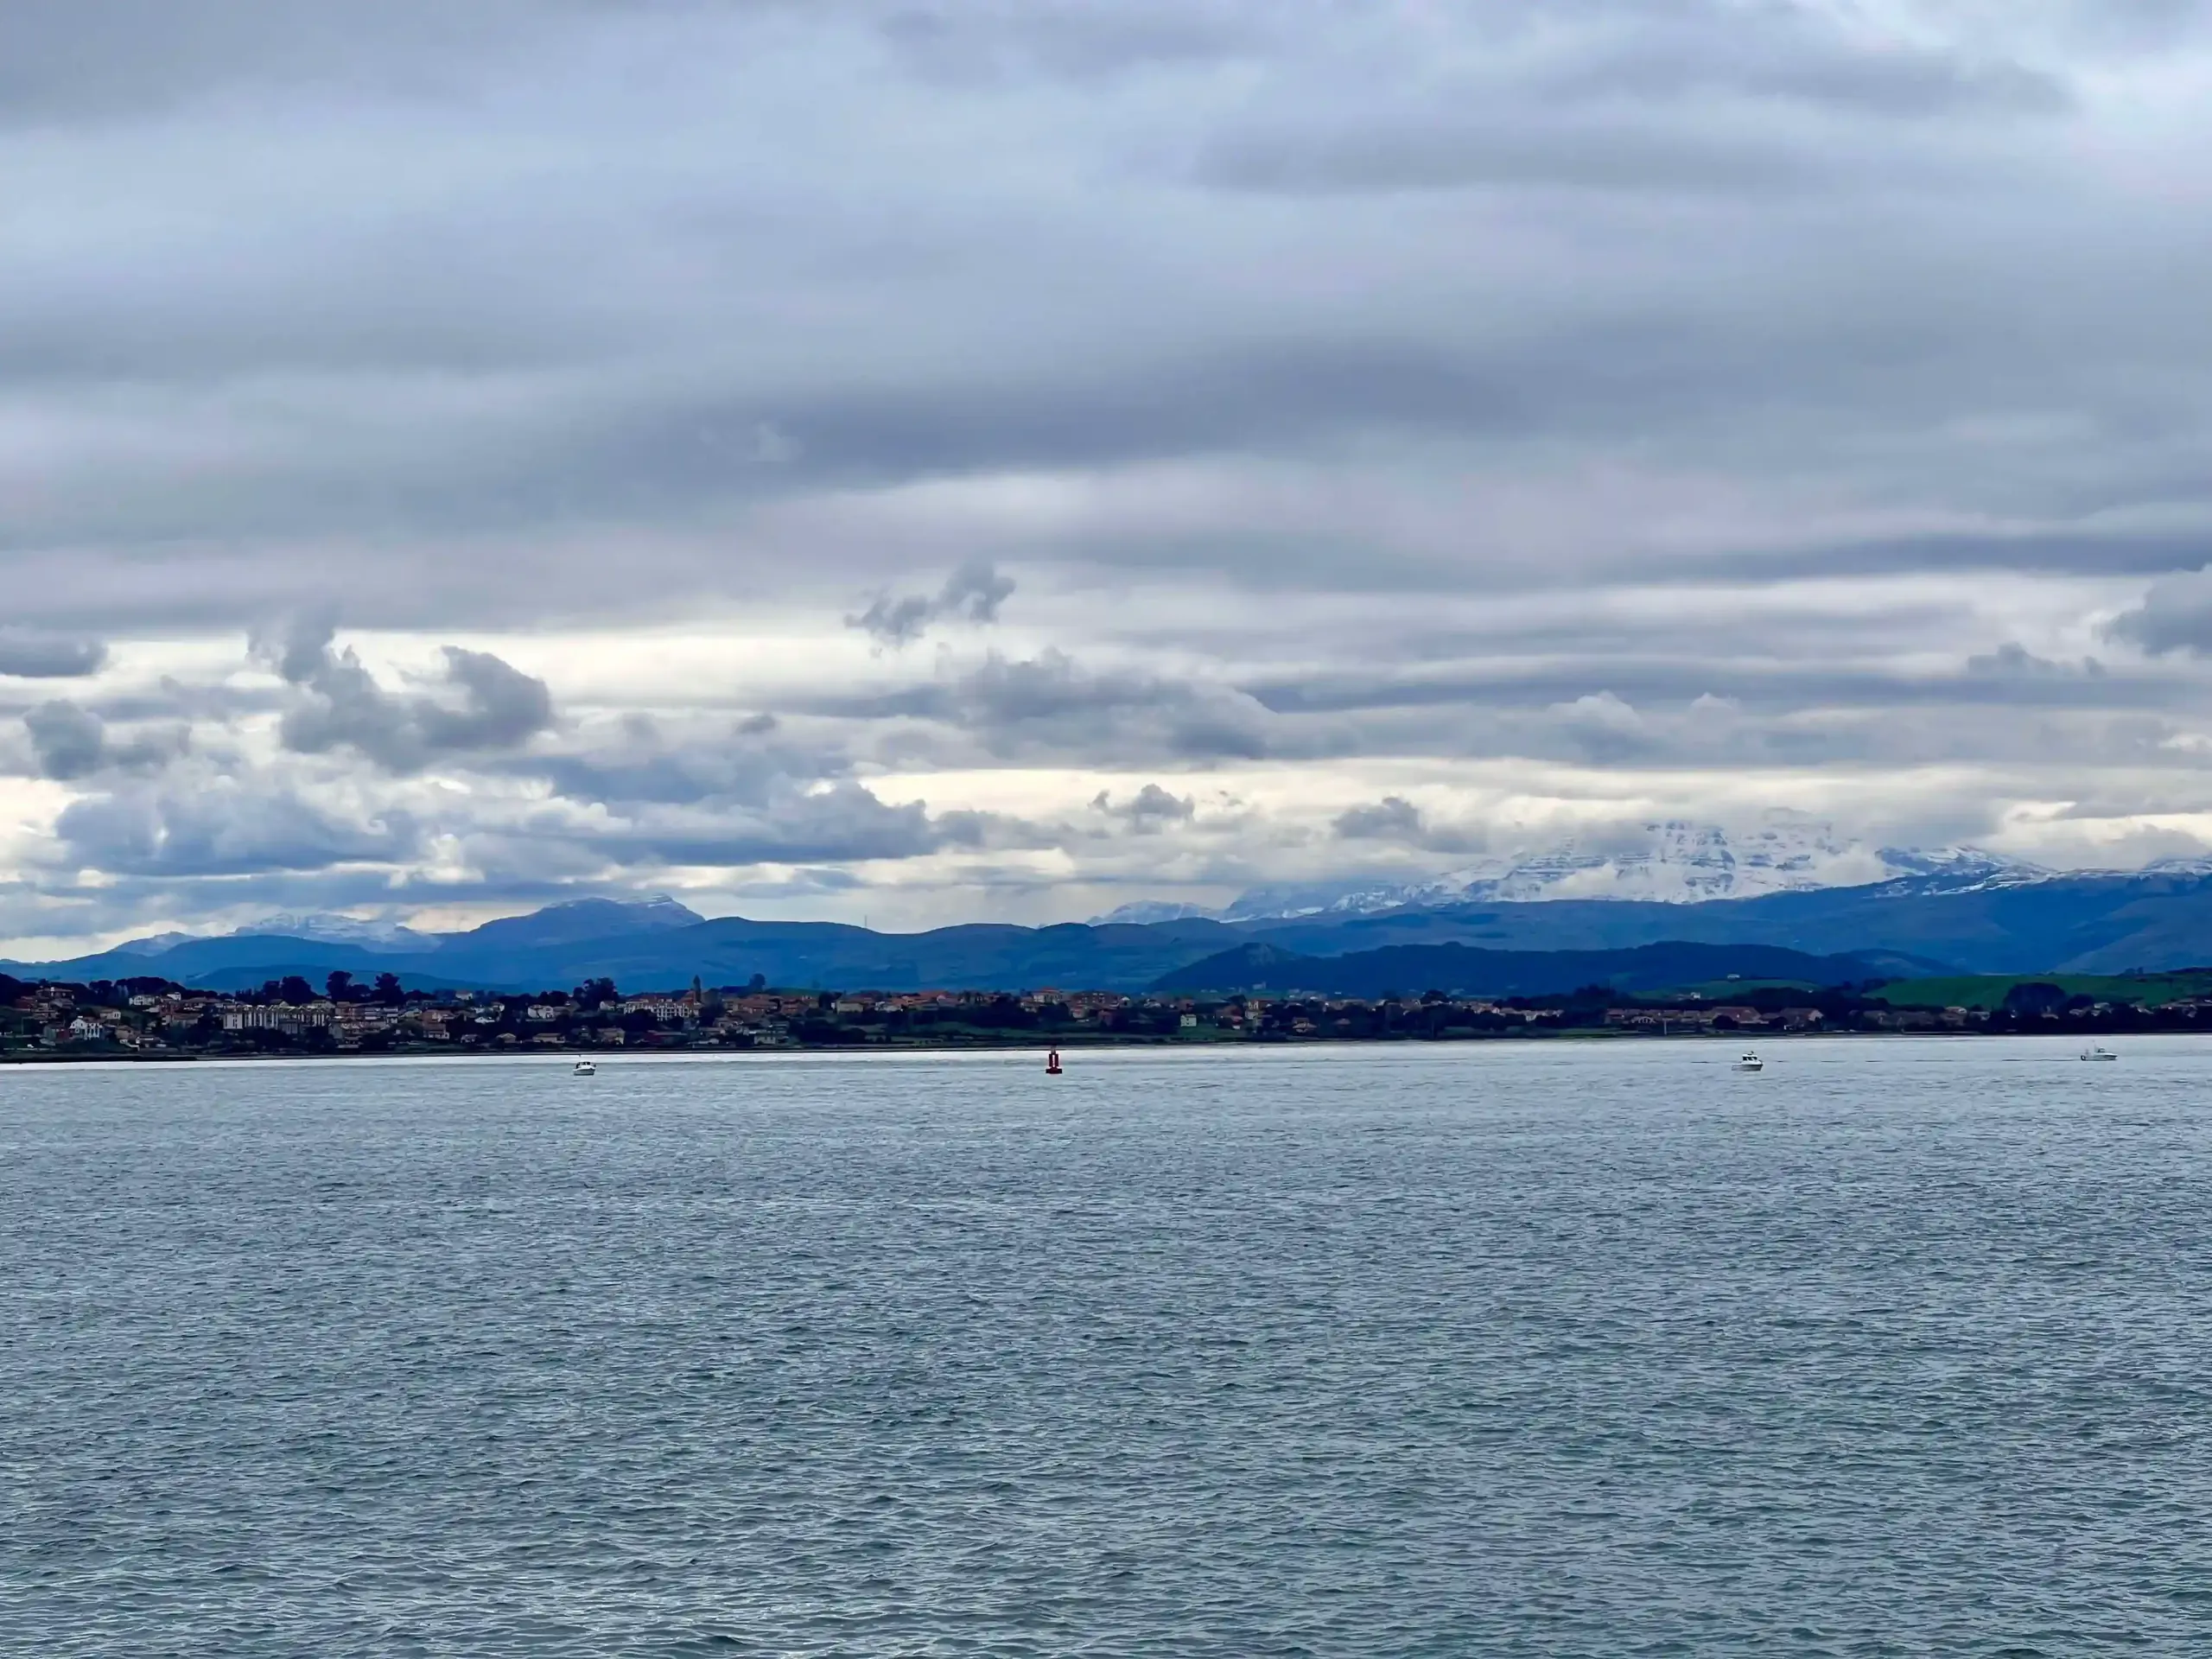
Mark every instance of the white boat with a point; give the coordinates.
(585, 1069)
(1750, 1062)
(2098, 1054)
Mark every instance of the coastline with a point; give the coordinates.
(1087, 1043)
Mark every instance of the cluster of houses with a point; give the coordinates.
(54, 1017)
(103, 1019)
(1701, 1018)
(1876, 1018)
(62, 1017)
(59, 1017)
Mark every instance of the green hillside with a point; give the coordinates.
(1988, 990)
(1720, 991)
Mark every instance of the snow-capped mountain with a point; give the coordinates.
(387, 938)
(2180, 866)
(330, 929)
(1672, 862)
(577, 918)
(1963, 869)
(1145, 911)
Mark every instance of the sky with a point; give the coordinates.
(952, 459)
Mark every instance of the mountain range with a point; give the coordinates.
(1671, 863)
(1955, 910)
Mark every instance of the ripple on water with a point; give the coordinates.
(1898, 1347)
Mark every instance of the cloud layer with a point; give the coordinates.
(840, 458)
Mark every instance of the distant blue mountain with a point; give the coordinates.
(2101, 922)
(2104, 922)
(577, 920)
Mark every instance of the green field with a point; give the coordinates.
(1987, 990)
(1725, 990)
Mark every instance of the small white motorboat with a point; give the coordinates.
(585, 1069)
(1750, 1062)
(2098, 1054)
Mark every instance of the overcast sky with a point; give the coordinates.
(944, 460)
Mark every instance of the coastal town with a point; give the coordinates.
(152, 1018)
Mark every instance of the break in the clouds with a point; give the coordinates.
(931, 460)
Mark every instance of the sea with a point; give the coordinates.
(1899, 1347)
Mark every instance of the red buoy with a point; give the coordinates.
(1053, 1063)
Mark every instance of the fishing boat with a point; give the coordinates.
(584, 1069)
(1750, 1062)
(2098, 1054)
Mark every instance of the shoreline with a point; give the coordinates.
(1038, 1045)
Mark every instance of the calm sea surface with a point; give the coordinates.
(1900, 1347)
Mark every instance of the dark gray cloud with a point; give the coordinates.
(841, 823)
(29, 654)
(299, 647)
(754, 793)
(217, 825)
(616, 340)
(1151, 809)
(2013, 660)
(1396, 822)
(484, 704)
(2176, 615)
(1648, 384)
(1391, 818)
(1050, 696)
(1052, 703)
(70, 741)
(2043, 551)
(846, 824)
(501, 705)
(1802, 55)
(749, 767)
(973, 594)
